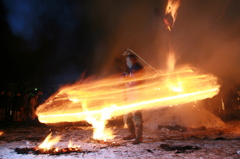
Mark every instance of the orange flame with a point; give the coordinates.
(100, 132)
(49, 142)
(69, 104)
(171, 61)
(173, 81)
(71, 145)
(171, 13)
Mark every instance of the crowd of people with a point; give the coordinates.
(19, 107)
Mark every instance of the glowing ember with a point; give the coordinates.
(46, 148)
(49, 142)
(171, 13)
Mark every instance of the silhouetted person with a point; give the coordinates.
(32, 106)
(8, 106)
(17, 108)
(26, 108)
(34, 103)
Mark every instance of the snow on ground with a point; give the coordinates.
(212, 143)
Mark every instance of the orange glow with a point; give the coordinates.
(99, 130)
(171, 13)
(49, 142)
(1, 132)
(86, 99)
(173, 82)
(46, 147)
(71, 145)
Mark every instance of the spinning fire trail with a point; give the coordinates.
(96, 101)
(93, 98)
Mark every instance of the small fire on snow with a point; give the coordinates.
(46, 147)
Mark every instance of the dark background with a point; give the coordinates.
(49, 43)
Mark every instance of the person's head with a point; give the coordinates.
(127, 52)
(131, 60)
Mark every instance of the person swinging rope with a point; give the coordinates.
(133, 120)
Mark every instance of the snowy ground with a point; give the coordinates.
(212, 143)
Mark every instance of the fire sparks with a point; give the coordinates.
(155, 91)
(96, 101)
(171, 13)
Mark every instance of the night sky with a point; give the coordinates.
(52, 42)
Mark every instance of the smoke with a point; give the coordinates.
(135, 25)
(93, 35)
(205, 35)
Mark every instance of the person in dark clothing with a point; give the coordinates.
(133, 120)
(17, 103)
(34, 103)
(26, 108)
(8, 106)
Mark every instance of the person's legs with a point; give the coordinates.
(130, 126)
(137, 118)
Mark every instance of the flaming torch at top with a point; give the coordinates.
(171, 13)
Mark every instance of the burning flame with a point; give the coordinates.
(49, 142)
(171, 13)
(1, 132)
(173, 80)
(103, 93)
(171, 61)
(99, 131)
(96, 101)
(46, 147)
(71, 145)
